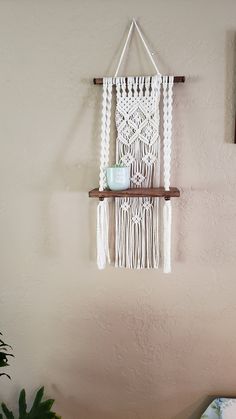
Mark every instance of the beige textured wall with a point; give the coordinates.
(115, 344)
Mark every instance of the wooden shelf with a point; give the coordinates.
(177, 79)
(136, 193)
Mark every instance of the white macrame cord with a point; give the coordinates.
(138, 145)
(167, 140)
(103, 254)
(134, 24)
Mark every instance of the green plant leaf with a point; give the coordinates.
(40, 409)
(47, 405)
(22, 405)
(38, 398)
(7, 375)
(4, 344)
(7, 412)
(4, 355)
(3, 362)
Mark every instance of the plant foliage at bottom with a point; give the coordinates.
(39, 410)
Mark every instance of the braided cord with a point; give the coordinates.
(105, 131)
(167, 212)
(167, 122)
(103, 207)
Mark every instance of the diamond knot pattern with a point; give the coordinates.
(148, 133)
(137, 117)
(138, 178)
(128, 134)
(125, 206)
(127, 159)
(149, 159)
(119, 119)
(136, 218)
(147, 205)
(137, 147)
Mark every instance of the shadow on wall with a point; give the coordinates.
(230, 86)
(79, 176)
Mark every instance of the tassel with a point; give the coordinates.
(102, 234)
(167, 215)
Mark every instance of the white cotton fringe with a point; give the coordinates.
(137, 233)
(167, 216)
(103, 234)
(138, 146)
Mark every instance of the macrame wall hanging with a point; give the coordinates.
(146, 147)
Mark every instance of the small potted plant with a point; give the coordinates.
(118, 177)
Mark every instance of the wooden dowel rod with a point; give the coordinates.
(177, 79)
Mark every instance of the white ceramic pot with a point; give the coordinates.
(118, 178)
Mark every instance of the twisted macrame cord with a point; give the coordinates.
(138, 146)
(103, 254)
(167, 210)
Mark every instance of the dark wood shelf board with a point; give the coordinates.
(177, 79)
(136, 193)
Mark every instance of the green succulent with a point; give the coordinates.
(39, 410)
(4, 355)
(118, 165)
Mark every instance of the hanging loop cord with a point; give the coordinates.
(103, 206)
(134, 24)
(167, 211)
